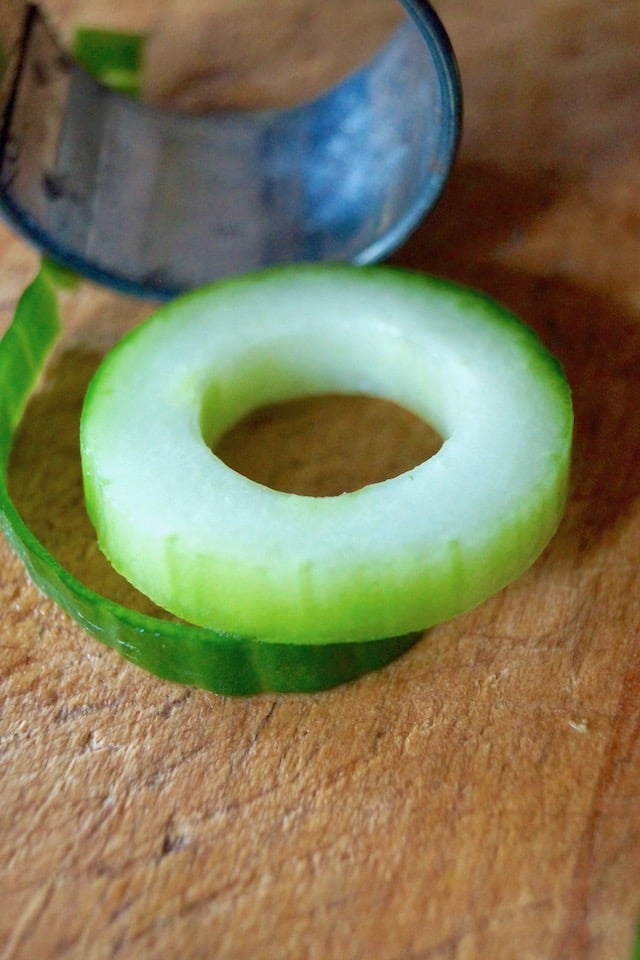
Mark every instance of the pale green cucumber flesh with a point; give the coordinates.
(229, 554)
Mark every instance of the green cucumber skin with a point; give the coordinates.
(510, 550)
(226, 665)
(114, 58)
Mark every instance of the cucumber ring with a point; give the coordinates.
(391, 559)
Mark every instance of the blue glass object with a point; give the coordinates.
(154, 201)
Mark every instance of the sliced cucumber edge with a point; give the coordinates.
(549, 507)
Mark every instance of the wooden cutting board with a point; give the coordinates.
(476, 800)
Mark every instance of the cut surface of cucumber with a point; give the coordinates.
(224, 552)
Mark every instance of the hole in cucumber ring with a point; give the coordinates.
(394, 557)
(327, 445)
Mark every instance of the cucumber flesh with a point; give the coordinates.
(391, 559)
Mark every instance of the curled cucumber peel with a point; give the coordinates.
(218, 661)
(113, 57)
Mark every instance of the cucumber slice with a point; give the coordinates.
(393, 558)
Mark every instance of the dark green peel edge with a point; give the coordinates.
(112, 57)
(181, 653)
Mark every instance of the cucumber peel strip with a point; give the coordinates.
(113, 57)
(216, 661)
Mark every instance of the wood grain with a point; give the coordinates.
(478, 798)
